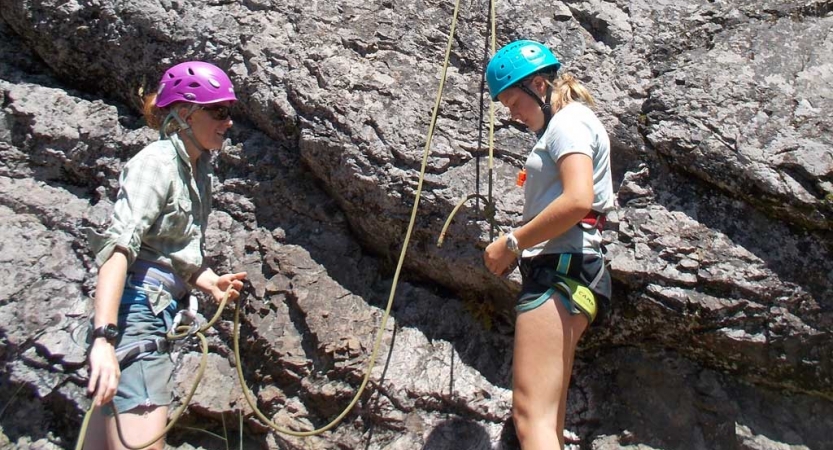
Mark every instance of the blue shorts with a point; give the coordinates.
(146, 381)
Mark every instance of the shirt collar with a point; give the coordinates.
(179, 145)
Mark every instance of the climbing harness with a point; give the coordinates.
(570, 275)
(187, 321)
(137, 350)
(184, 331)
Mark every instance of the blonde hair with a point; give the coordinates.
(567, 89)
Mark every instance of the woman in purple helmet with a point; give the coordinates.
(152, 253)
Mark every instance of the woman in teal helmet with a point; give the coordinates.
(567, 191)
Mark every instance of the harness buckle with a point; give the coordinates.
(190, 316)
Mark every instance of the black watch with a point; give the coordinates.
(109, 332)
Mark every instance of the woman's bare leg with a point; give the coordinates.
(138, 426)
(96, 437)
(545, 342)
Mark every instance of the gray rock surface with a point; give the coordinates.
(720, 333)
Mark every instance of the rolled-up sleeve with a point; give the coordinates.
(145, 182)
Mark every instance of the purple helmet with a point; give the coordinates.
(194, 82)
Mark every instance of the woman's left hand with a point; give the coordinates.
(498, 257)
(224, 282)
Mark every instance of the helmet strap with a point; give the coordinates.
(183, 126)
(545, 105)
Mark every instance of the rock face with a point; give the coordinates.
(720, 331)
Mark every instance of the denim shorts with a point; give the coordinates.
(146, 381)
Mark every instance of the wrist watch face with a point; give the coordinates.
(512, 244)
(109, 332)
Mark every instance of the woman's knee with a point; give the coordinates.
(532, 429)
(527, 418)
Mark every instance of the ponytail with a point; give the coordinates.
(567, 89)
(155, 116)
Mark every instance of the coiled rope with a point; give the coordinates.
(185, 331)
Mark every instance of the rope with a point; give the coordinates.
(402, 254)
(171, 336)
(490, 205)
(492, 21)
(489, 211)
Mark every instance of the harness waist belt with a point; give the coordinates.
(139, 349)
(592, 220)
(146, 272)
(581, 278)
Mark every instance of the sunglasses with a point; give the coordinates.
(217, 112)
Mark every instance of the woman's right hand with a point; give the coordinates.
(104, 372)
(498, 258)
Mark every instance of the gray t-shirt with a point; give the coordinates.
(573, 129)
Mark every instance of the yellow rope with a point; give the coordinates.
(488, 207)
(378, 340)
(203, 361)
(490, 204)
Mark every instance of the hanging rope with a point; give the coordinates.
(490, 209)
(493, 33)
(399, 265)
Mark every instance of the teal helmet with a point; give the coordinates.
(516, 61)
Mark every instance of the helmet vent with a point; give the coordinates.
(190, 71)
(194, 85)
(214, 83)
(515, 62)
(176, 83)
